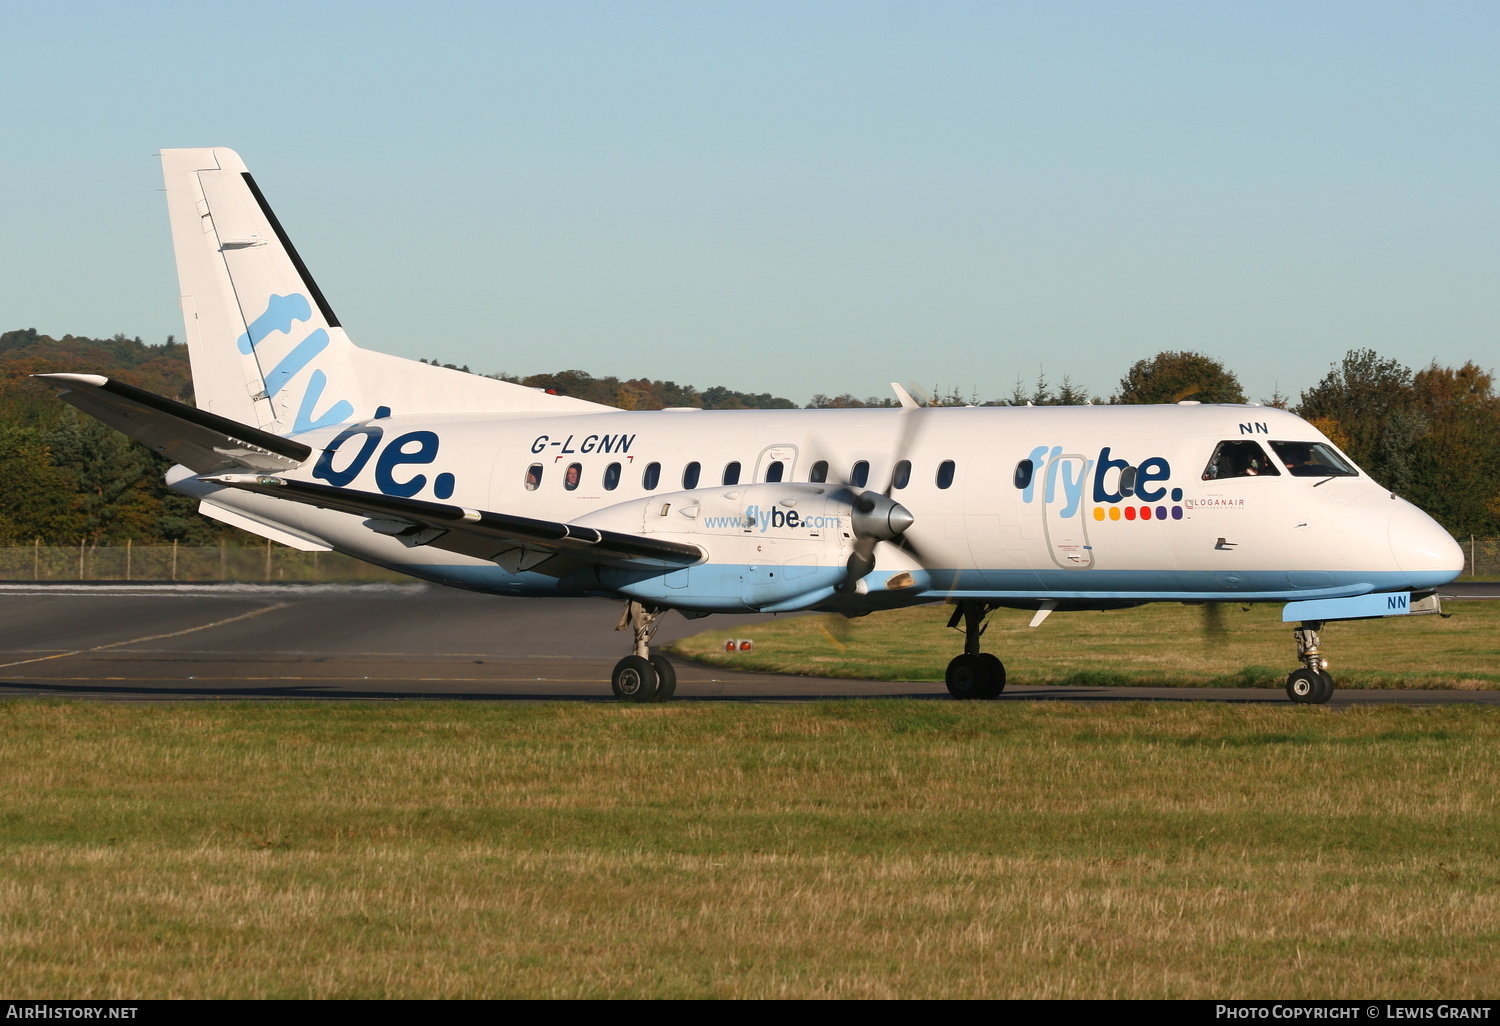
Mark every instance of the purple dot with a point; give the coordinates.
(1161, 512)
(1176, 512)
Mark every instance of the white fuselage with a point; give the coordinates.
(1069, 534)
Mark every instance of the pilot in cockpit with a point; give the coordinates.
(1239, 459)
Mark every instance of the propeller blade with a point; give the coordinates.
(912, 549)
(1213, 620)
(875, 516)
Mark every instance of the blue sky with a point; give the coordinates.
(789, 197)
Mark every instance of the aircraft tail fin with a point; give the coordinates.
(265, 346)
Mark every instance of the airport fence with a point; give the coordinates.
(266, 563)
(273, 563)
(1481, 557)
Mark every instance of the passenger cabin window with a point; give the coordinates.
(533, 477)
(611, 477)
(732, 473)
(572, 476)
(1312, 459)
(690, 474)
(1024, 470)
(902, 476)
(775, 470)
(819, 472)
(860, 475)
(1241, 458)
(945, 474)
(652, 477)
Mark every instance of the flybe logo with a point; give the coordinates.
(1111, 487)
(280, 314)
(414, 448)
(346, 457)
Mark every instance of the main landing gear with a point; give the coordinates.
(641, 676)
(1311, 684)
(974, 674)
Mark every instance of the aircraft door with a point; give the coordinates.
(1066, 518)
(1004, 538)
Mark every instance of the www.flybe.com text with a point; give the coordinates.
(754, 517)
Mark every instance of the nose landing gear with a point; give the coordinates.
(1311, 684)
(642, 677)
(974, 674)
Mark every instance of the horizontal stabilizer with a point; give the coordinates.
(516, 543)
(202, 441)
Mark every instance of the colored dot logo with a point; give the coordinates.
(1138, 513)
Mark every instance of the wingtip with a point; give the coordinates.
(96, 380)
(904, 397)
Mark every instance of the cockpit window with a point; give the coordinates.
(1312, 459)
(1240, 458)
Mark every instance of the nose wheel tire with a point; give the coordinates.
(1309, 687)
(636, 680)
(666, 678)
(977, 675)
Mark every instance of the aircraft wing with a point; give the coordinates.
(515, 543)
(201, 441)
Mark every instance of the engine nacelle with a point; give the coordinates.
(773, 546)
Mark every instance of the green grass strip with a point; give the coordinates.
(1158, 645)
(864, 848)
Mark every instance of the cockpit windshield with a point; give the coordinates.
(1312, 459)
(1239, 458)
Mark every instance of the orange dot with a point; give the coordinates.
(1098, 512)
(1114, 512)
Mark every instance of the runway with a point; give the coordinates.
(415, 641)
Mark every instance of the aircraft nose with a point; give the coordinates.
(1423, 549)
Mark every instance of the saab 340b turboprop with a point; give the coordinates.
(301, 437)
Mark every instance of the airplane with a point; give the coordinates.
(303, 438)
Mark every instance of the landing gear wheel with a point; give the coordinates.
(996, 675)
(1309, 687)
(635, 680)
(666, 678)
(975, 676)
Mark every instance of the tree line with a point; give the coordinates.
(1432, 436)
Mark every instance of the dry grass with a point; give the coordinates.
(855, 849)
(1158, 645)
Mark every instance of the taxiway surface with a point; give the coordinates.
(410, 641)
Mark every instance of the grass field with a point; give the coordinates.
(1157, 645)
(844, 849)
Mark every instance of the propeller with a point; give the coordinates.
(1214, 627)
(876, 517)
